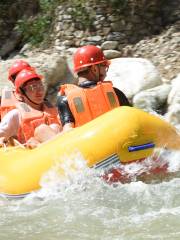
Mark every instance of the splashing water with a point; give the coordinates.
(84, 206)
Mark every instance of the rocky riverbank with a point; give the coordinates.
(146, 46)
(163, 50)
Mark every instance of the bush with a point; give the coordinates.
(35, 29)
(80, 14)
(118, 4)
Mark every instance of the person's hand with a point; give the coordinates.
(44, 133)
(68, 127)
(32, 143)
(3, 141)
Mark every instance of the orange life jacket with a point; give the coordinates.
(31, 118)
(89, 103)
(8, 101)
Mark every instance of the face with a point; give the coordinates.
(99, 72)
(103, 68)
(35, 91)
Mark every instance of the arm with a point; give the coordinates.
(9, 126)
(122, 98)
(65, 114)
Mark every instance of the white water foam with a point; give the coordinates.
(82, 206)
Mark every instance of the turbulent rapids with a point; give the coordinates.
(85, 207)
(117, 138)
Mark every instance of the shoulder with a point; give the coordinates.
(62, 98)
(10, 124)
(12, 114)
(10, 121)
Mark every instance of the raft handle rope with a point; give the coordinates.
(13, 142)
(141, 147)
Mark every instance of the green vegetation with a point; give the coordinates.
(118, 4)
(85, 18)
(35, 29)
(81, 16)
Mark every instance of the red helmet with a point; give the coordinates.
(16, 67)
(24, 76)
(88, 55)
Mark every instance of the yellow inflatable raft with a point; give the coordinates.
(123, 135)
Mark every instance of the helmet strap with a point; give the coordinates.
(24, 93)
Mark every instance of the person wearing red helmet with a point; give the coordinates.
(8, 95)
(34, 120)
(16, 67)
(92, 96)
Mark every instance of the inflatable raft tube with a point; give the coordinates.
(122, 135)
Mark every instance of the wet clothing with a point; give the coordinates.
(10, 124)
(21, 124)
(88, 103)
(32, 118)
(66, 113)
(8, 101)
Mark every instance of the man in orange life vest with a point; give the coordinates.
(8, 95)
(34, 120)
(92, 96)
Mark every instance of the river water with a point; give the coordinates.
(85, 207)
